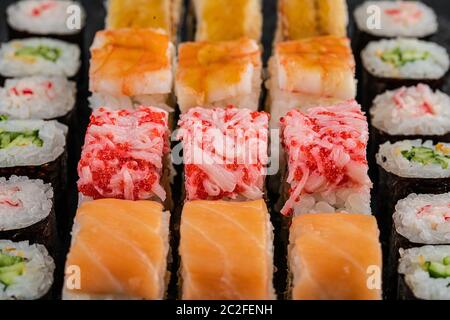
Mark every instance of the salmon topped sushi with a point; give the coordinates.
(310, 72)
(226, 251)
(335, 257)
(119, 251)
(131, 67)
(215, 74)
(222, 20)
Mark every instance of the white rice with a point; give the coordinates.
(37, 279)
(419, 280)
(400, 112)
(32, 199)
(50, 97)
(390, 159)
(52, 133)
(434, 67)
(98, 100)
(55, 19)
(399, 26)
(19, 66)
(424, 218)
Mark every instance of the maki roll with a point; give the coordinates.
(224, 153)
(39, 97)
(125, 156)
(310, 72)
(298, 19)
(26, 271)
(39, 56)
(390, 64)
(165, 15)
(50, 18)
(108, 232)
(335, 257)
(26, 211)
(223, 20)
(326, 160)
(226, 251)
(411, 113)
(131, 67)
(424, 273)
(216, 74)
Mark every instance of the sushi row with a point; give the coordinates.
(402, 78)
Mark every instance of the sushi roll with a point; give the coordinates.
(125, 156)
(109, 232)
(39, 97)
(39, 56)
(27, 211)
(216, 74)
(131, 67)
(326, 160)
(411, 113)
(225, 153)
(310, 72)
(165, 15)
(298, 19)
(26, 271)
(224, 20)
(226, 251)
(424, 273)
(390, 64)
(50, 18)
(335, 257)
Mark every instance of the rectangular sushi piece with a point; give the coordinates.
(223, 20)
(226, 251)
(299, 19)
(424, 273)
(39, 97)
(50, 18)
(335, 257)
(27, 211)
(144, 14)
(131, 67)
(125, 156)
(326, 159)
(26, 271)
(225, 153)
(310, 72)
(216, 74)
(121, 249)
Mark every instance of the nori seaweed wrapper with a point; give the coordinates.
(404, 292)
(380, 137)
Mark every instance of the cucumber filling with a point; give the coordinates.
(427, 156)
(11, 267)
(44, 52)
(20, 139)
(438, 270)
(399, 57)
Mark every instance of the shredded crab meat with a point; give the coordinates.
(415, 101)
(405, 13)
(225, 153)
(435, 214)
(326, 148)
(123, 154)
(8, 197)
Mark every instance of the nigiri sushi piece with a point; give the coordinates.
(298, 19)
(125, 156)
(226, 251)
(225, 153)
(326, 160)
(222, 20)
(141, 14)
(131, 67)
(215, 74)
(335, 257)
(310, 72)
(119, 251)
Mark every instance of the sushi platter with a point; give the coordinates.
(224, 150)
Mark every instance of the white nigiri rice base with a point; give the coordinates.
(35, 200)
(390, 159)
(434, 67)
(51, 132)
(429, 227)
(38, 276)
(419, 280)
